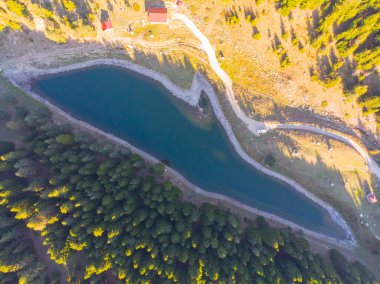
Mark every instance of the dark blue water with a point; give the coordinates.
(140, 111)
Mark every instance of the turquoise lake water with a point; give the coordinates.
(142, 112)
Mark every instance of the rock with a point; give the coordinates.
(332, 184)
(366, 224)
(361, 215)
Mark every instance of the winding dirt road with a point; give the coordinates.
(258, 127)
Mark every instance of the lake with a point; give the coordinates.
(142, 112)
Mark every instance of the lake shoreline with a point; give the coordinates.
(22, 78)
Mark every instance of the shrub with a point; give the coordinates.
(136, 7)
(324, 104)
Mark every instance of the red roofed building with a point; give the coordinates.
(371, 198)
(107, 25)
(157, 15)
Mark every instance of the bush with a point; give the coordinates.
(324, 104)
(6, 147)
(136, 7)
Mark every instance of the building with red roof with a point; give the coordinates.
(158, 15)
(371, 198)
(107, 25)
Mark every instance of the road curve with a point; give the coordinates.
(257, 126)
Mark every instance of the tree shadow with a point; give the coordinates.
(231, 15)
(310, 30)
(293, 34)
(324, 67)
(104, 15)
(276, 42)
(349, 79)
(250, 15)
(153, 3)
(282, 27)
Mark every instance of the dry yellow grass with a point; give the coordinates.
(255, 68)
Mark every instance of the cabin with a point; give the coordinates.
(107, 25)
(157, 15)
(371, 198)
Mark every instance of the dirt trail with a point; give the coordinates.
(258, 127)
